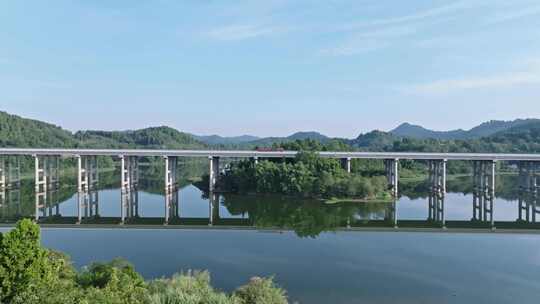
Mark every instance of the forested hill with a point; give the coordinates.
(483, 130)
(522, 138)
(151, 138)
(20, 132)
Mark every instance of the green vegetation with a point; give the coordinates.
(32, 274)
(20, 132)
(308, 175)
(307, 218)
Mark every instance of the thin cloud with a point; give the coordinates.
(418, 16)
(241, 32)
(354, 48)
(369, 40)
(509, 80)
(511, 15)
(376, 34)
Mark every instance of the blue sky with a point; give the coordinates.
(270, 67)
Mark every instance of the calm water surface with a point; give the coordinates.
(312, 248)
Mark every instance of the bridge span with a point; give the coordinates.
(46, 168)
(267, 154)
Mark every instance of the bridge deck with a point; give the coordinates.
(270, 154)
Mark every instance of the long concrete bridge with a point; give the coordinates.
(47, 166)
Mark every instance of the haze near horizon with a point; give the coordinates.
(270, 68)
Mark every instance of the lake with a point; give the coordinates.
(402, 252)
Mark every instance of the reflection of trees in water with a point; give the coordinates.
(307, 218)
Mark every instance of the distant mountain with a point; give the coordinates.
(483, 130)
(309, 135)
(495, 126)
(374, 141)
(419, 132)
(268, 141)
(220, 140)
(518, 136)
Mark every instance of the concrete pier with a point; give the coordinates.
(213, 216)
(171, 206)
(129, 205)
(3, 174)
(529, 191)
(214, 172)
(171, 169)
(437, 191)
(87, 173)
(129, 166)
(346, 164)
(483, 190)
(10, 172)
(392, 175)
(437, 177)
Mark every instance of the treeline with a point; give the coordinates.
(21, 132)
(308, 175)
(32, 274)
(524, 138)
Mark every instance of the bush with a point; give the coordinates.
(31, 274)
(113, 282)
(261, 291)
(189, 288)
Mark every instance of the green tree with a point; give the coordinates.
(24, 265)
(261, 291)
(115, 282)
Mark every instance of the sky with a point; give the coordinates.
(272, 67)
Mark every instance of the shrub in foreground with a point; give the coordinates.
(31, 274)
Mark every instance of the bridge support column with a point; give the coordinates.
(484, 190)
(3, 178)
(214, 172)
(10, 172)
(171, 165)
(171, 205)
(129, 172)
(392, 175)
(346, 164)
(46, 170)
(529, 190)
(87, 169)
(214, 209)
(256, 160)
(129, 205)
(437, 177)
(437, 191)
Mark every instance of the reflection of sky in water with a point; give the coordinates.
(345, 267)
(350, 266)
(458, 206)
(150, 205)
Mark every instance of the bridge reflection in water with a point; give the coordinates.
(310, 217)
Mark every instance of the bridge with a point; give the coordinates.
(47, 166)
